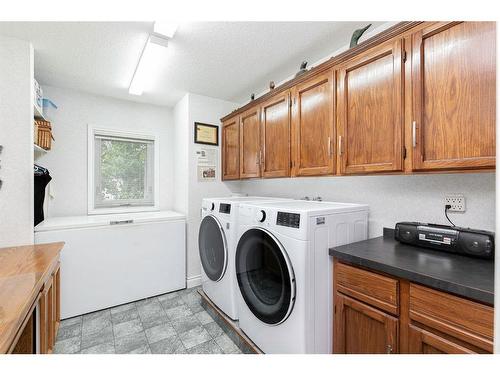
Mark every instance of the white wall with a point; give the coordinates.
(181, 152)
(395, 198)
(283, 78)
(67, 161)
(16, 137)
(206, 110)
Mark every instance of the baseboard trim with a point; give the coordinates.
(230, 327)
(193, 281)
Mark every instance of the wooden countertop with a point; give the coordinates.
(23, 272)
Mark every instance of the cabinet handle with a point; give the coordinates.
(414, 133)
(340, 145)
(119, 222)
(329, 147)
(389, 349)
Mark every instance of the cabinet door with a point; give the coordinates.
(231, 149)
(370, 101)
(361, 329)
(51, 328)
(465, 320)
(57, 299)
(313, 126)
(46, 318)
(454, 73)
(25, 340)
(275, 132)
(250, 143)
(425, 342)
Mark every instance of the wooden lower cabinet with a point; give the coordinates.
(44, 329)
(422, 341)
(362, 329)
(26, 343)
(29, 298)
(50, 318)
(425, 320)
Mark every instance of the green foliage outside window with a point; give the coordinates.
(123, 170)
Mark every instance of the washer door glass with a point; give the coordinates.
(212, 247)
(265, 276)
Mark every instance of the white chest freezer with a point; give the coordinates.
(109, 260)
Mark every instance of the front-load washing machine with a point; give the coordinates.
(284, 271)
(217, 245)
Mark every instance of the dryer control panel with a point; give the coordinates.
(288, 219)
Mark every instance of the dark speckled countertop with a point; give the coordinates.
(464, 276)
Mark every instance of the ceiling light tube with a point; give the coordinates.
(151, 54)
(167, 29)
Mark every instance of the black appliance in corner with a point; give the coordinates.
(465, 241)
(42, 178)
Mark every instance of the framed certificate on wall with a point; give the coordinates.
(206, 134)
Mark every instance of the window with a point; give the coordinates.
(123, 171)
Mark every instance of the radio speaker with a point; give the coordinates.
(406, 233)
(476, 244)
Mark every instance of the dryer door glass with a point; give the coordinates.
(212, 247)
(265, 276)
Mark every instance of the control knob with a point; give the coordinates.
(261, 216)
(212, 206)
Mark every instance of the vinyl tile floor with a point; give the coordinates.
(172, 323)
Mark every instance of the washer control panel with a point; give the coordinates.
(288, 219)
(225, 208)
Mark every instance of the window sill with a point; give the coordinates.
(122, 210)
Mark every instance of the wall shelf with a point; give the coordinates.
(37, 113)
(38, 150)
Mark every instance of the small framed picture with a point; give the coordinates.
(206, 134)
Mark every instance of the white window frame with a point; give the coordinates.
(113, 132)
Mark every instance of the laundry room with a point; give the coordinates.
(274, 184)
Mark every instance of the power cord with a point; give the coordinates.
(446, 208)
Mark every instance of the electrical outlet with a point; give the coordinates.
(456, 201)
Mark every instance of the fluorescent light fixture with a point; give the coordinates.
(152, 55)
(167, 29)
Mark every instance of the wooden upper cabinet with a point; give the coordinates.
(275, 136)
(250, 143)
(362, 329)
(423, 100)
(370, 117)
(313, 126)
(231, 149)
(454, 74)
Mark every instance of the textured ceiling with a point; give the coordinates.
(226, 60)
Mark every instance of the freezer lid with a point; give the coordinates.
(90, 221)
